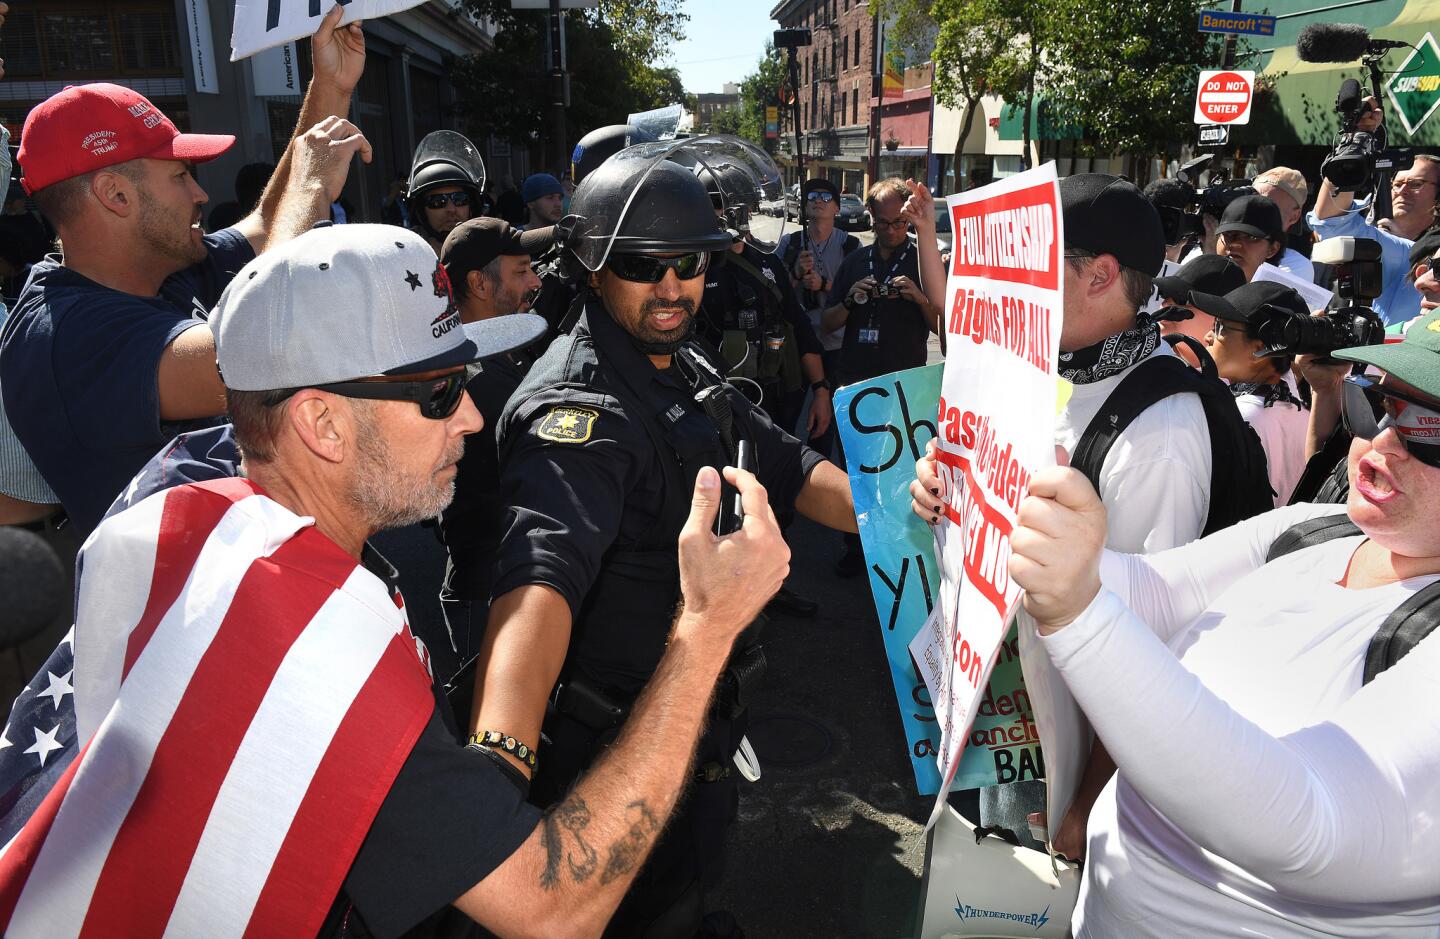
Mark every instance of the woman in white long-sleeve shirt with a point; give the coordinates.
(1263, 790)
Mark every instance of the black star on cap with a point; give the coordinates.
(413, 279)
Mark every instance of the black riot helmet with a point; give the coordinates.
(444, 158)
(640, 203)
(728, 186)
(600, 145)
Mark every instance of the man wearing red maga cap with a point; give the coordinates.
(106, 355)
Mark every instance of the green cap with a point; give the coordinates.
(1415, 360)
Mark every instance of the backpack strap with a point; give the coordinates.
(1403, 630)
(1208, 367)
(1145, 384)
(1310, 533)
(1407, 624)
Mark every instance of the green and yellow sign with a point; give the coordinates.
(1414, 88)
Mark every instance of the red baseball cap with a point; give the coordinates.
(89, 127)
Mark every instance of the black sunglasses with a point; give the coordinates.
(1363, 397)
(437, 200)
(437, 398)
(649, 269)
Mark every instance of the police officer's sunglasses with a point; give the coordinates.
(1364, 399)
(437, 398)
(649, 269)
(437, 200)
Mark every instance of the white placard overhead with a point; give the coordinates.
(277, 71)
(263, 24)
(202, 46)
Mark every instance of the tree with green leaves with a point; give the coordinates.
(612, 51)
(759, 90)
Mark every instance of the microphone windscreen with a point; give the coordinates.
(1332, 42)
(32, 585)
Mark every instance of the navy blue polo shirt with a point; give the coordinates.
(78, 371)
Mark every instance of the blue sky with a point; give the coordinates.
(723, 41)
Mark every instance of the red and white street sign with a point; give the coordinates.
(1224, 97)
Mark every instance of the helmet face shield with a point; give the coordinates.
(639, 201)
(446, 146)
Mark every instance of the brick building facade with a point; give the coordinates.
(837, 89)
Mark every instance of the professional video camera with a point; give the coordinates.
(1358, 280)
(1358, 160)
(1357, 155)
(1219, 188)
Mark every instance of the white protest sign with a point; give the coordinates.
(1315, 296)
(996, 421)
(261, 24)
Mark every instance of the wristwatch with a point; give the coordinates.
(822, 383)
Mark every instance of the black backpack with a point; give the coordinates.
(1403, 629)
(1239, 476)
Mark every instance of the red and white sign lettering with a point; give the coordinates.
(1224, 97)
(996, 426)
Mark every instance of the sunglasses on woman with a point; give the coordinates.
(437, 200)
(649, 269)
(437, 398)
(1416, 421)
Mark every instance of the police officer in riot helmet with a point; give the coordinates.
(751, 322)
(447, 182)
(600, 145)
(599, 449)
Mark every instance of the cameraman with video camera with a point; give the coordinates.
(1413, 196)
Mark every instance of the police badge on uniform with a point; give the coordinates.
(567, 425)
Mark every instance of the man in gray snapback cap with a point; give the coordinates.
(345, 359)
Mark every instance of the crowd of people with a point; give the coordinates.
(609, 398)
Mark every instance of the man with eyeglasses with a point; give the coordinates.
(278, 735)
(1413, 195)
(878, 299)
(598, 451)
(107, 355)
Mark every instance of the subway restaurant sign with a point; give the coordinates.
(1414, 88)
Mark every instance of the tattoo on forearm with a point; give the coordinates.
(625, 854)
(571, 815)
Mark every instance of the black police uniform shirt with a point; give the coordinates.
(472, 522)
(593, 488)
(883, 335)
(78, 363)
(734, 300)
(450, 817)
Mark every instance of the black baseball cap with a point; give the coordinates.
(476, 242)
(1424, 248)
(819, 182)
(1105, 214)
(1208, 273)
(1252, 303)
(1253, 215)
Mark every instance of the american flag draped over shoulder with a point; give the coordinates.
(243, 694)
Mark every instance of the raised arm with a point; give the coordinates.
(919, 208)
(567, 878)
(338, 56)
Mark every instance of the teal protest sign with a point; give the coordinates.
(884, 425)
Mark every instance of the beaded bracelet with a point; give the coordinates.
(493, 738)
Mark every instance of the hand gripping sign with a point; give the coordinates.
(261, 24)
(996, 421)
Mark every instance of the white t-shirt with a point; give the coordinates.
(1155, 481)
(1281, 428)
(1262, 790)
(1297, 264)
